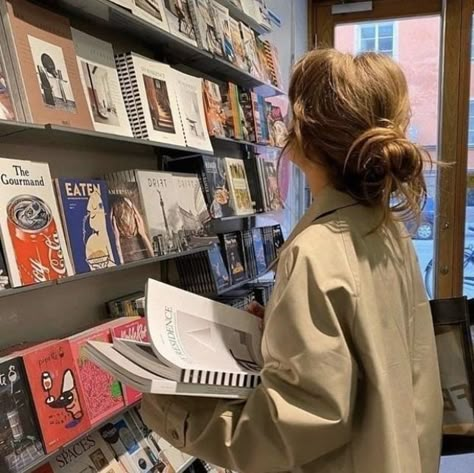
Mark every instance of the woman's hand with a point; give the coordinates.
(256, 309)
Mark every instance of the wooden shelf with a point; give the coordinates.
(100, 272)
(176, 50)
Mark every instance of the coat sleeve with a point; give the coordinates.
(303, 408)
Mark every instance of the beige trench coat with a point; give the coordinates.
(350, 382)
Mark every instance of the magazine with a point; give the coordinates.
(238, 186)
(207, 348)
(151, 11)
(179, 18)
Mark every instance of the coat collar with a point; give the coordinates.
(328, 200)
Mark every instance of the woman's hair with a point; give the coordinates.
(350, 115)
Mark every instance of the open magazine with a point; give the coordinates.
(197, 347)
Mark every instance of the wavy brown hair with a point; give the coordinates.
(350, 115)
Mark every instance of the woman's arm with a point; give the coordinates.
(303, 408)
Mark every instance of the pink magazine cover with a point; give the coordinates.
(135, 329)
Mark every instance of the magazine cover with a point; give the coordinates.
(179, 19)
(259, 249)
(239, 50)
(193, 117)
(32, 234)
(158, 95)
(163, 218)
(215, 114)
(46, 65)
(56, 393)
(21, 444)
(265, 65)
(260, 118)
(219, 270)
(131, 330)
(248, 117)
(204, 22)
(127, 216)
(135, 455)
(152, 11)
(235, 112)
(273, 61)
(10, 103)
(222, 21)
(272, 189)
(86, 215)
(215, 170)
(277, 117)
(101, 85)
(238, 186)
(194, 211)
(88, 455)
(250, 46)
(102, 392)
(234, 257)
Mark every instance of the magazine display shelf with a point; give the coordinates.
(100, 272)
(244, 143)
(240, 15)
(176, 50)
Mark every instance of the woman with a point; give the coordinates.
(350, 382)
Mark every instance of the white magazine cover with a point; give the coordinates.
(180, 22)
(191, 106)
(236, 174)
(99, 78)
(156, 88)
(152, 11)
(32, 233)
(127, 4)
(90, 454)
(195, 333)
(158, 195)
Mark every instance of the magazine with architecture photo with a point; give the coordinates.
(197, 347)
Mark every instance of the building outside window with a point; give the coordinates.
(376, 37)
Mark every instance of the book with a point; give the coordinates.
(102, 392)
(10, 102)
(5, 282)
(250, 46)
(44, 61)
(98, 72)
(32, 234)
(239, 51)
(56, 392)
(151, 11)
(150, 98)
(272, 189)
(248, 116)
(241, 199)
(137, 330)
(180, 22)
(89, 454)
(262, 135)
(215, 113)
(212, 175)
(218, 269)
(264, 60)
(128, 444)
(277, 117)
(127, 216)
(162, 216)
(278, 238)
(273, 62)
(194, 212)
(84, 205)
(214, 349)
(204, 16)
(253, 178)
(235, 113)
(222, 21)
(191, 108)
(232, 246)
(21, 441)
(259, 249)
(131, 305)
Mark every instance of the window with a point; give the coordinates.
(377, 37)
(471, 123)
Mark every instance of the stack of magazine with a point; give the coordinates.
(197, 347)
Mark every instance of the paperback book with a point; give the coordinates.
(89, 454)
(241, 200)
(10, 102)
(56, 392)
(222, 21)
(272, 190)
(203, 15)
(232, 246)
(130, 305)
(151, 11)
(32, 234)
(277, 117)
(44, 61)
(215, 113)
(191, 108)
(209, 349)
(21, 441)
(128, 218)
(259, 110)
(179, 18)
(5, 282)
(100, 83)
(150, 95)
(250, 46)
(86, 215)
(240, 58)
(259, 249)
(248, 117)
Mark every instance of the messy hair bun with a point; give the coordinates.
(350, 115)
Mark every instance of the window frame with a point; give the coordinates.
(377, 24)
